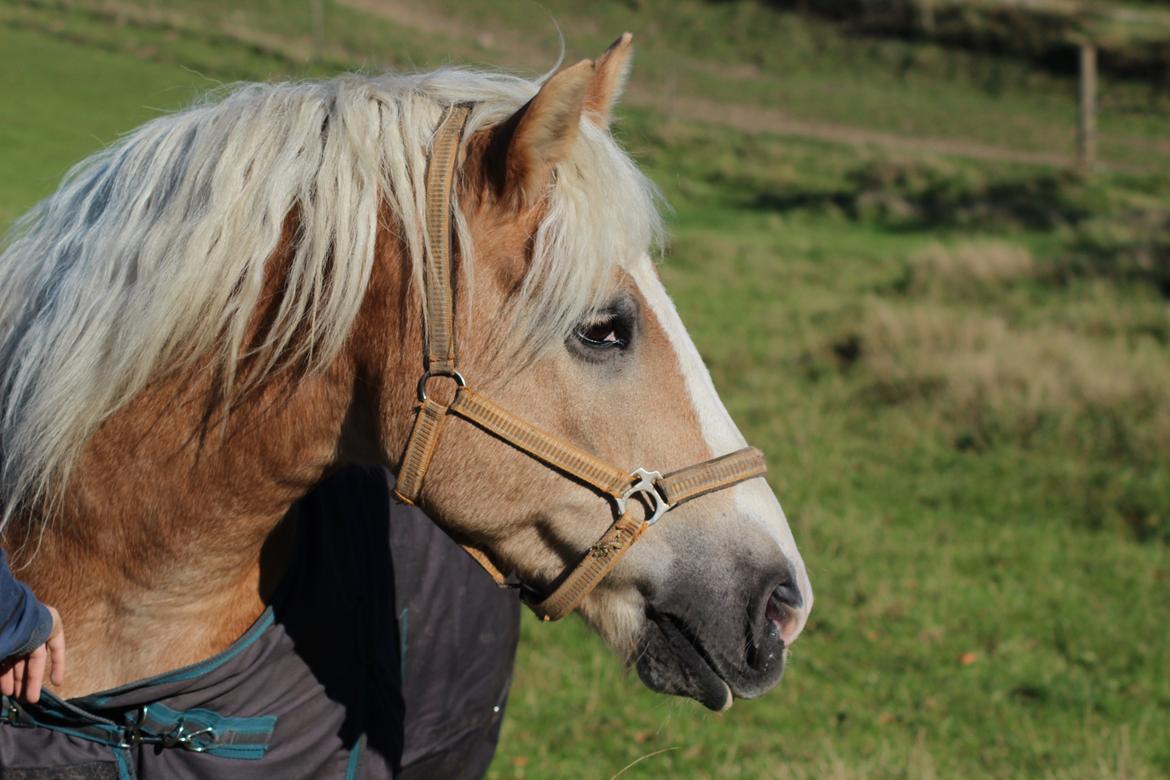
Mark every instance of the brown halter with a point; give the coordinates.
(658, 493)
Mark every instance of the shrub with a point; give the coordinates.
(969, 269)
(1132, 43)
(934, 193)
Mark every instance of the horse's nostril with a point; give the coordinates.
(782, 602)
(788, 594)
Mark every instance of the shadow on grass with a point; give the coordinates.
(1106, 229)
(926, 196)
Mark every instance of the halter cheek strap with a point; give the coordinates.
(657, 493)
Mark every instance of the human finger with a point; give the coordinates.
(35, 674)
(57, 658)
(18, 677)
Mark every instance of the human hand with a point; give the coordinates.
(23, 676)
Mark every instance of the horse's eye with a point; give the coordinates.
(606, 334)
(610, 332)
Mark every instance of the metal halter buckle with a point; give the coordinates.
(645, 486)
(422, 381)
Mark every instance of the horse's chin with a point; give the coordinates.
(672, 660)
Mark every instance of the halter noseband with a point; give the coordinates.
(658, 493)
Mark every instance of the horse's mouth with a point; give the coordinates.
(673, 660)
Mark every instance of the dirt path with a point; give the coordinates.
(520, 51)
(755, 119)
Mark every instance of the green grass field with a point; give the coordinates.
(958, 365)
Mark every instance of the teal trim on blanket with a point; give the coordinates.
(53, 713)
(353, 766)
(125, 772)
(262, 624)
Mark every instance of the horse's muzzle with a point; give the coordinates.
(700, 646)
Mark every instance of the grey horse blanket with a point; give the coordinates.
(386, 653)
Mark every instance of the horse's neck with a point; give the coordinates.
(167, 541)
(155, 560)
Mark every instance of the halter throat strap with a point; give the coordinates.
(656, 493)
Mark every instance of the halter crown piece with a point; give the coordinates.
(657, 493)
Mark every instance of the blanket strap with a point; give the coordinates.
(196, 730)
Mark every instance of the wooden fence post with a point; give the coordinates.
(1087, 125)
(926, 17)
(317, 8)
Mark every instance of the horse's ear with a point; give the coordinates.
(540, 134)
(613, 68)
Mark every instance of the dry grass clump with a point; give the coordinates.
(990, 381)
(971, 268)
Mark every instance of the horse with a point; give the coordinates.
(229, 303)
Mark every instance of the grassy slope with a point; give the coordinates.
(60, 104)
(737, 54)
(979, 611)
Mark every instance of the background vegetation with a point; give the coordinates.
(1132, 36)
(955, 353)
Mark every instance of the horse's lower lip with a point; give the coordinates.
(714, 691)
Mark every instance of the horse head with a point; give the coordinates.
(562, 318)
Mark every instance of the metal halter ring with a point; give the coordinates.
(422, 382)
(644, 485)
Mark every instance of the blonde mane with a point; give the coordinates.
(151, 255)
